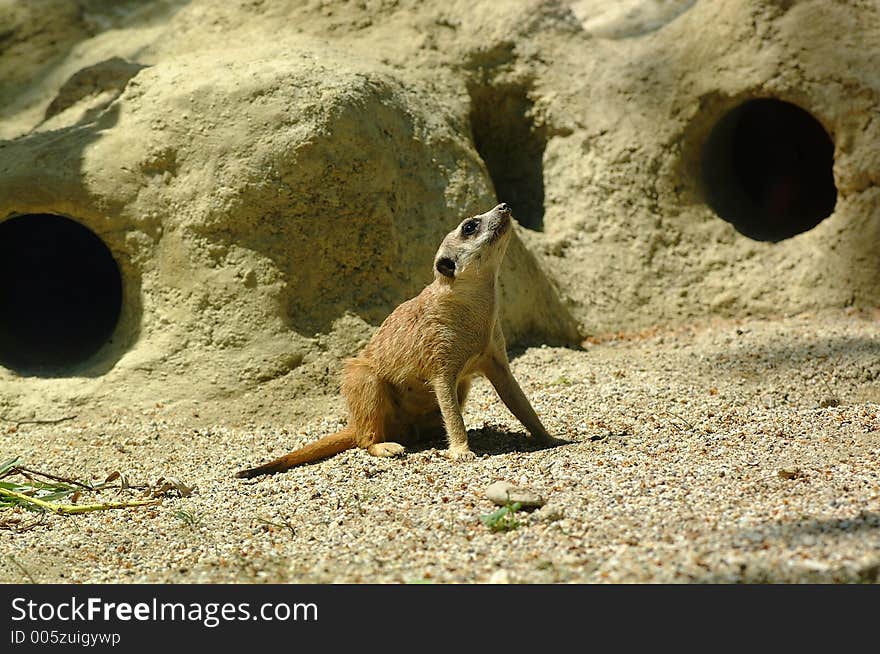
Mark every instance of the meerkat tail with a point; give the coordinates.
(320, 449)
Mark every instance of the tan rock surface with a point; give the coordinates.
(272, 178)
(271, 168)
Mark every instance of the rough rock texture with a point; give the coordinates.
(273, 177)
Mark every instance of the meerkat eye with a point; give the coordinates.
(469, 227)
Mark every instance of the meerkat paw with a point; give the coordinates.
(386, 449)
(459, 454)
(543, 438)
(547, 439)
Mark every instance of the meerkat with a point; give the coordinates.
(414, 374)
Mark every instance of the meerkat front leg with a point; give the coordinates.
(498, 373)
(497, 370)
(496, 367)
(446, 391)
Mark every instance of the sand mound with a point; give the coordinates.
(272, 179)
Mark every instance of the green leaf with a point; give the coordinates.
(7, 465)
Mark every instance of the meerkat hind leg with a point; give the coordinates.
(387, 448)
(372, 409)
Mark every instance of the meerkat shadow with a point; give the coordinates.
(494, 440)
(489, 440)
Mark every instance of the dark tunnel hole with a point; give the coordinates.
(60, 294)
(767, 170)
(512, 149)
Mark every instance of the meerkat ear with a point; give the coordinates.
(445, 266)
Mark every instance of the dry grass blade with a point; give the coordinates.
(21, 568)
(12, 491)
(19, 525)
(35, 495)
(51, 421)
(28, 472)
(68, 509)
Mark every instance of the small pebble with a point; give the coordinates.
(503, 492)
(549, 513)
(499, 577)
(789, 473)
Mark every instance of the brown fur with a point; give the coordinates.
(414, 374)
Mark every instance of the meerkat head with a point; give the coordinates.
(477, 244)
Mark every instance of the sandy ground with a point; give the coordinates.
(723, 452)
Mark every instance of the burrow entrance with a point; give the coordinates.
(60, 294)
(767, 170)
(511, 147)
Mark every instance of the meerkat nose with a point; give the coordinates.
(503, 207)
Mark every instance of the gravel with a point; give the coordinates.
(705, 453)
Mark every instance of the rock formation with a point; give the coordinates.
(272, 178)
